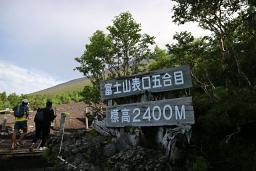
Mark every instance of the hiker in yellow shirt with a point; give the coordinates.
(21, 112)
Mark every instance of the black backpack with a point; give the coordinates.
(19, 110)
(39, 117)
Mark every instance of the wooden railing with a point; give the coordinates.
(6, 111)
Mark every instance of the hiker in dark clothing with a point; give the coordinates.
(43, 127)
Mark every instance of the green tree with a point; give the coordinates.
(37, 101)
(224, 115)
(1, 104)
(14, 99)
(75, 95)
(223, 18)
(119, 53)
(3, 96)
(203, 56)
(65, 98)
(223, 76)
(96, 57)
(90, 95)
(56, 100)
(160, 59)
(3, 100)
(130, 47)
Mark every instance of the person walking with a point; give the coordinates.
(43, 124)
(21, 113)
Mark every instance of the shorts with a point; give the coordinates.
(21, 125)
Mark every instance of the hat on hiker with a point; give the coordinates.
(25, 101)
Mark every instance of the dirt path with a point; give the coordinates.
(21, 158)
(74, 121)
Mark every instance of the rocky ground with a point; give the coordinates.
(90, 151)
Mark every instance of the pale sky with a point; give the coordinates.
(39, 39)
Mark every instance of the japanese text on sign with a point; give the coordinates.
(156, 81)
(144, 83)
(167, 112)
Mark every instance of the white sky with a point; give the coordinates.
(40, 38)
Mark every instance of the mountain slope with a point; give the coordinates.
(73, 85)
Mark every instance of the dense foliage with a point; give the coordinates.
(223, 71)
(121, 52)
(224, 82)
(38, 101)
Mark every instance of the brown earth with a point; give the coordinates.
(74, 121)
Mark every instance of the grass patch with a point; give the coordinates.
(51, 157)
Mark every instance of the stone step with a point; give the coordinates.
(6, 144)
(19, 152)
(23, 160)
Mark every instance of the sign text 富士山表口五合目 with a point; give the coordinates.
(155, 81)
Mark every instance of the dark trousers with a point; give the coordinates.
(42, 131)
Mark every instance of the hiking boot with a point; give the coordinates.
(12, 147)
(42, 148)
(20, 143)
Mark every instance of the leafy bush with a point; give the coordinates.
(38, 101)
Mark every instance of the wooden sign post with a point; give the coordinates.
(153, 113)
(7, 110)
(152, 110)
(155, 82)
(62, 122)
(149, 113)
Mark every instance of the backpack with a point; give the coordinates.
(39, 117)
(19, 110)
